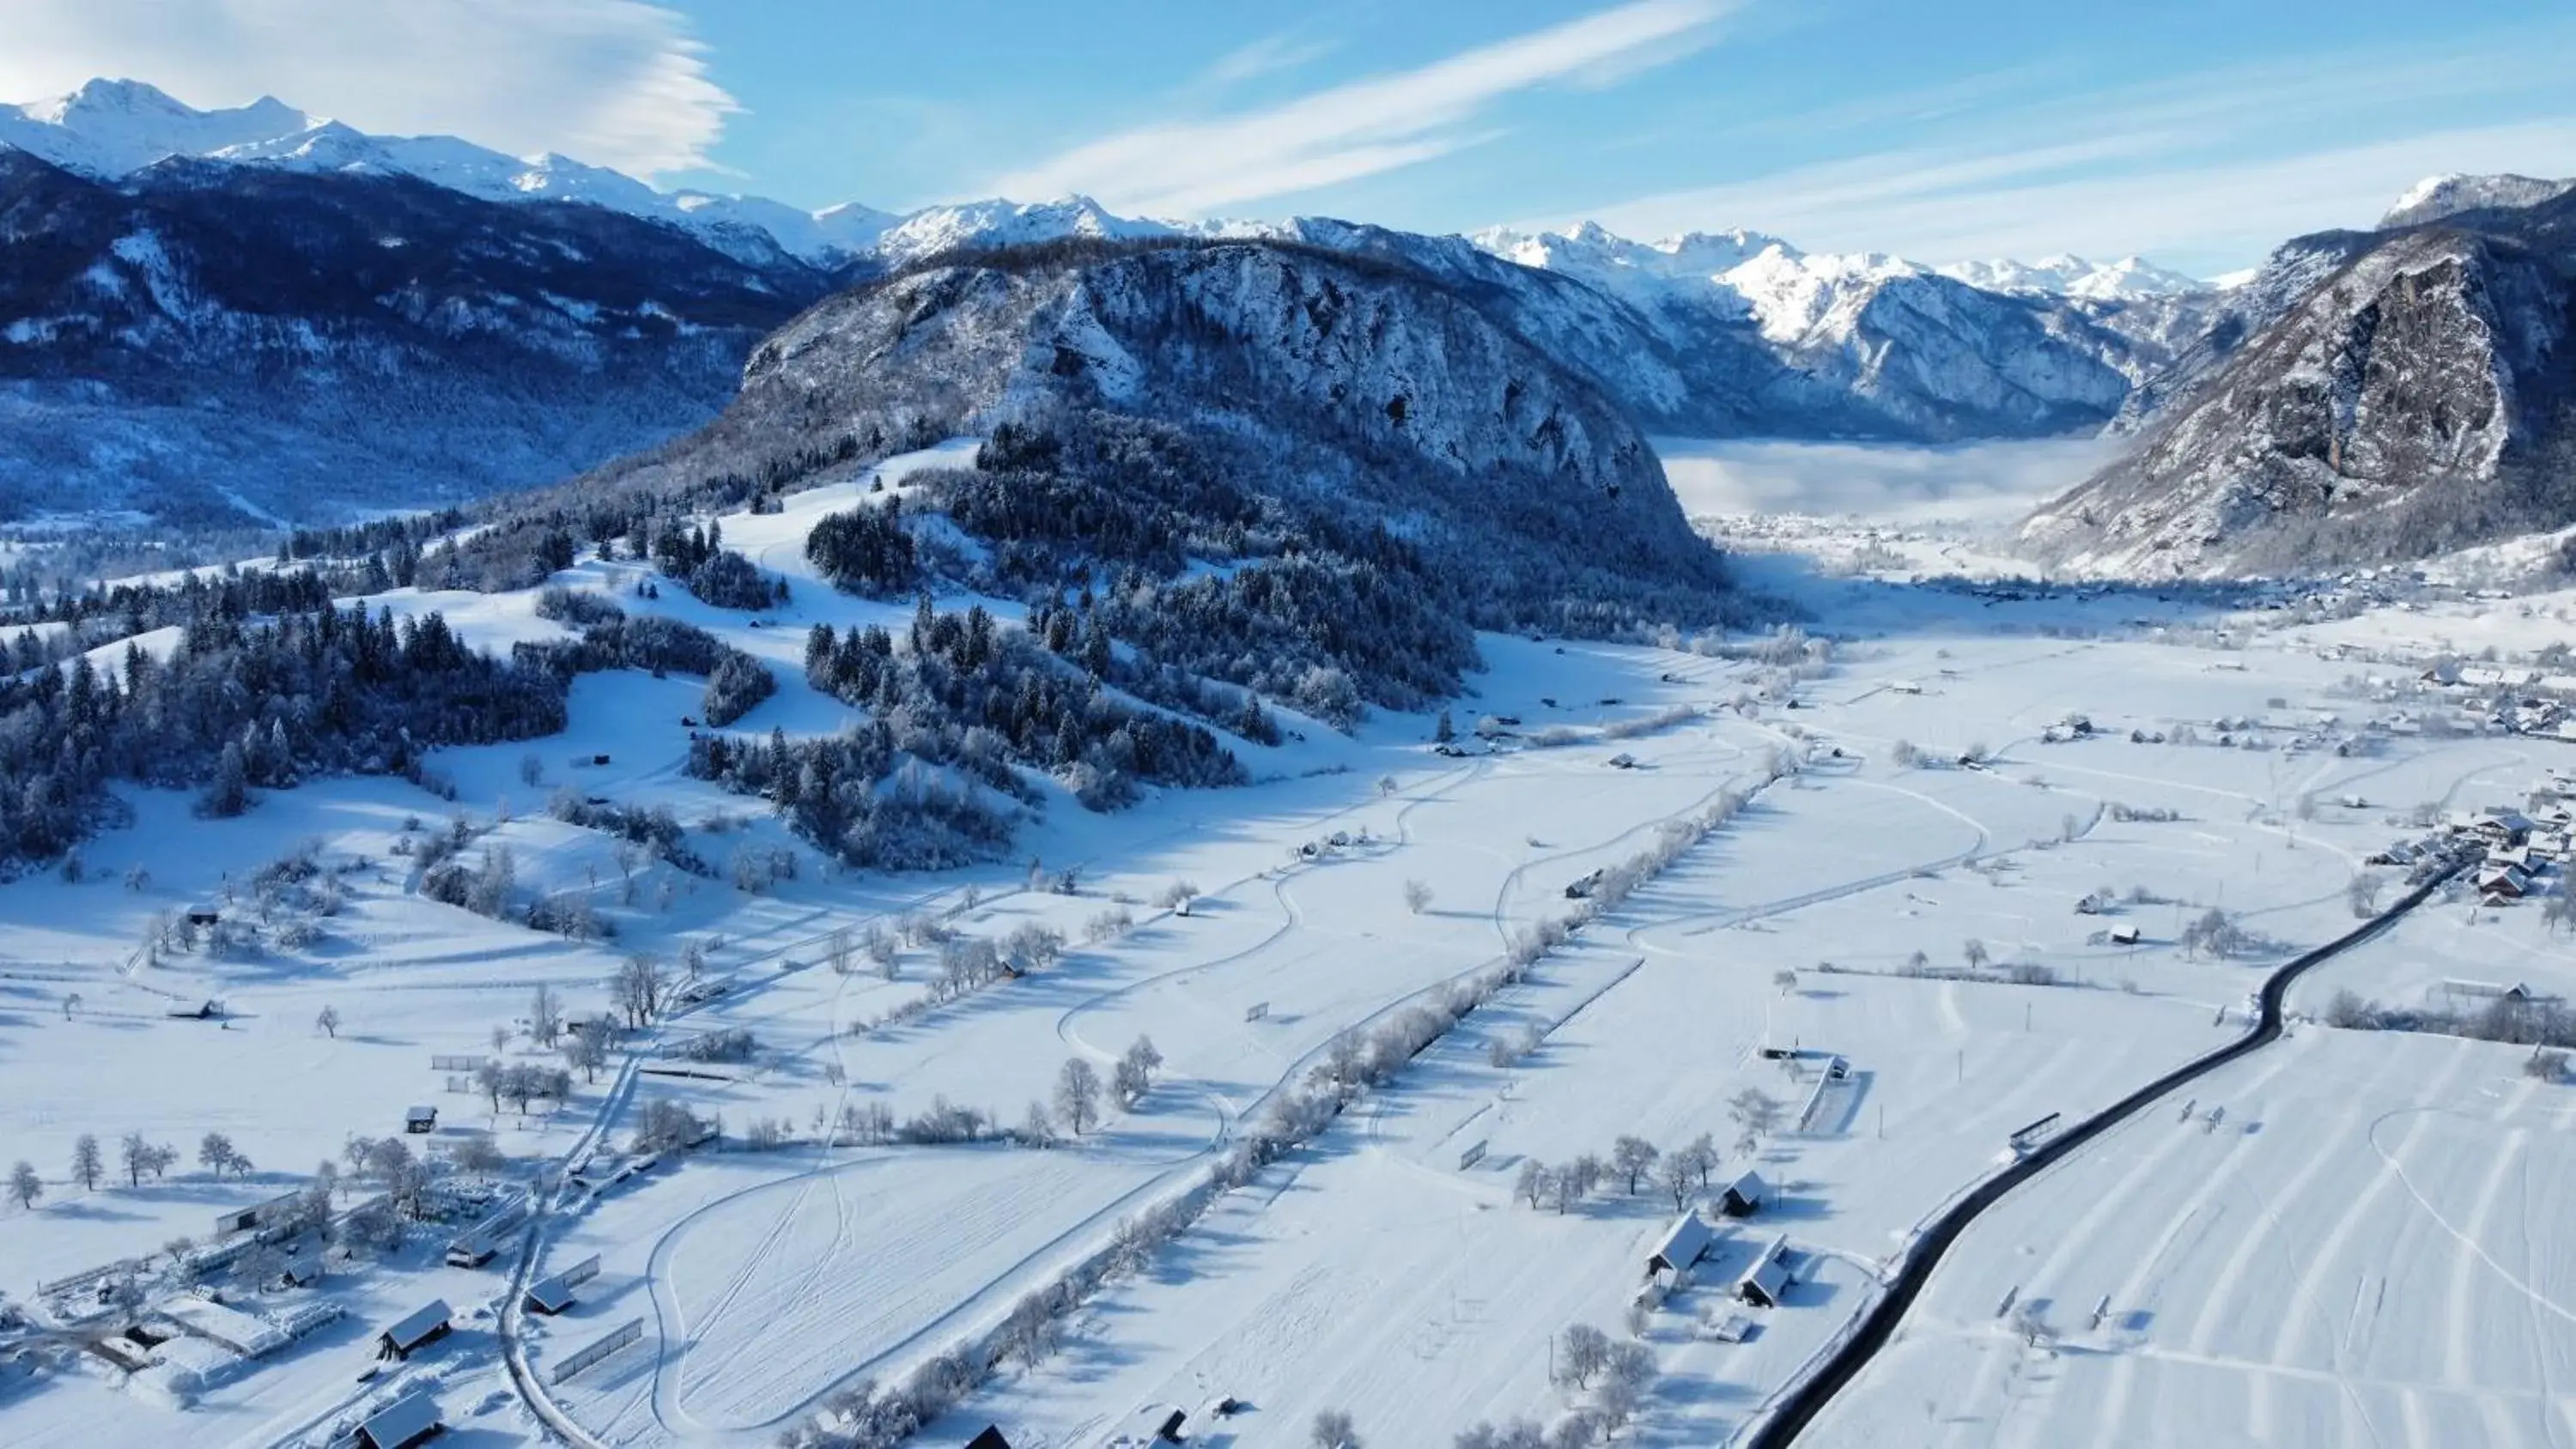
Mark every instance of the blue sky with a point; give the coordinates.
(2197, 133)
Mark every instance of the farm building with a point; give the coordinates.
(1745, 1196)
(1685, 1242)
(407, 1421)
(420, 1119)
(228, 1328)
(2124, 935)
(203, 915)
(549, 1296)
(991, 1438)
(242, 1220)
(423, 1326)
(1768, 1277)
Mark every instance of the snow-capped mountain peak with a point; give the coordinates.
(2126, 280)
(1599, 254)
(995, 222)
(113, 128)
(2437, 197)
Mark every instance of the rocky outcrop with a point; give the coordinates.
(2373, 396)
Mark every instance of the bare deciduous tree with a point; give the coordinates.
(1417, 897)
(329, 1022)
(545, 1017)
(88, 1163)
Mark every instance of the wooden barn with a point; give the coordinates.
(423, 1326)
(1745, 1196)
(1684, 1243)
(405, 1422)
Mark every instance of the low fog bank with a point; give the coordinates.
(1984, 486)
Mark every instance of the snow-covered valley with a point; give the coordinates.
(1888, 905)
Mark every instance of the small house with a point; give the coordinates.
(2503, 883)
(203, 916)
(420, 1119)
(2124, 935)
(423, 1326)
(991, 1438)
(1685, 1243)
(407, 1421)
(1745, 1196)
(2502, 826)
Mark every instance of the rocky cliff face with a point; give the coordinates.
(1327, 381)
(2372, 396)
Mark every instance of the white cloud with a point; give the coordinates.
(614, 82)
(1266, 56)
(2008, 204)
(1363, 127)
(2205, 169)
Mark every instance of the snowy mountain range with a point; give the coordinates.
(113, 128)
(443, 333)
(436, 267)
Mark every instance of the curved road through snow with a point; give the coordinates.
(1797, 1409)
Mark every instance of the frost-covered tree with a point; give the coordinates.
(1679, 1177)
(1632, 1158)
(1333, 1430)
(1077, 1095)
(1134, 1074)
(1583, 1351)
(1534, 1182)
(88, 1163)
(24, 1185)
(1417, 896)
(1755, 1110)
(545, 1017)
(216, 1153)
(327, 1021)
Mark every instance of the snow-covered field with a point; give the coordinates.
(1984, 922)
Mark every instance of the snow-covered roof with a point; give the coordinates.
(405, 1421)
(1685, 1242)
(1769, 1277)
(416, 1326)
(550, 1295)
(1749, 1186)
